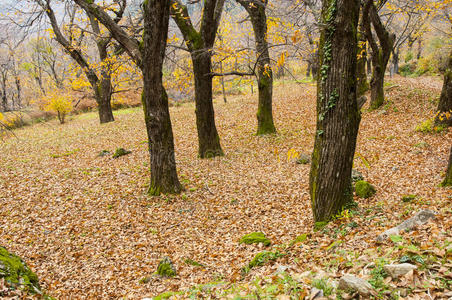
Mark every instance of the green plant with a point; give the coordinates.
(324, 285)
(255, 238)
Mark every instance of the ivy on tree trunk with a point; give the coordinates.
(338, 116)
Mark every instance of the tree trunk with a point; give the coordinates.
(337, 108)
(265, 124)
(380, 53)
(103, 98)
(395, 61)
(448, 179)
(444, 115)
(419, 48)
(209, 141)
(200, 45)
(308, 69)
(155, 101)
(363, 85)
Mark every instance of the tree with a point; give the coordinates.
(380, 52)
(101, 85)
(256, 11)
(363, 85)
(444, 115)
(200, 45)
(338, 115)
(448, 179)
(148, 55)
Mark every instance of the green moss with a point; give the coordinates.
(363, 189)
(121, 152)
(255, 238)
(166, 268)
(166, 295)
(262, 258)
(191, 262)
(319, 225)
(408, 198)
(17, 273)
(299, 239)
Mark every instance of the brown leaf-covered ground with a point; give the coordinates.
(86, 226)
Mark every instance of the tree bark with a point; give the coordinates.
(444, 114)
(149, 58)
(448, 179)
(363, 85)
(200, 45)
(337, 108)
(380, 54)
(265, 124)
(155, 101)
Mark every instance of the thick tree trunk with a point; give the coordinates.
(208, 139)
(265, 124)
(448, 179)
(395, 62)
(155, 101)
(337, 108)
(200, 45)
(377, 96)
(444, 115)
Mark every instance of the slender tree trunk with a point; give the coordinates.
(395, 61)
(208, 138)
(155, 101)
(265, 124)
(363, 85)
(308, 69)
(369, 66)
(380, 53)
(448, 179)
(103, 91)
(419, 48)
(444, 115)
(337, 108)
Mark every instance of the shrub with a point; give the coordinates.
(58, 102)
(428, 126)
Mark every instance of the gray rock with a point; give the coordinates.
(420, 218)
(398, 270)
(315, 293)
(349, 282)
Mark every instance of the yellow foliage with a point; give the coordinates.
(58, 102)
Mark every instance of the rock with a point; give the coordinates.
(303, 159)
(255, 238)
(363, 189)
(121, 152)
(357, 175)
(349, 282)
(398, 270)
(17, 274)
(315, 293)
(166, 268)
(420, 218)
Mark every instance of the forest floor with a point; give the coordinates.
(85, 225)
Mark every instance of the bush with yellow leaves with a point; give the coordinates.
(59, 102)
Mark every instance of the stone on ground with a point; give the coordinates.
(398, 270)
(355, 284)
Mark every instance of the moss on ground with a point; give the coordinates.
(255, 238)
(363, 189)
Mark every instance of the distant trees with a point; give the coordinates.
(100, 83)
(256, 11)
(148, 55)
(200, 43)
(338, 116)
